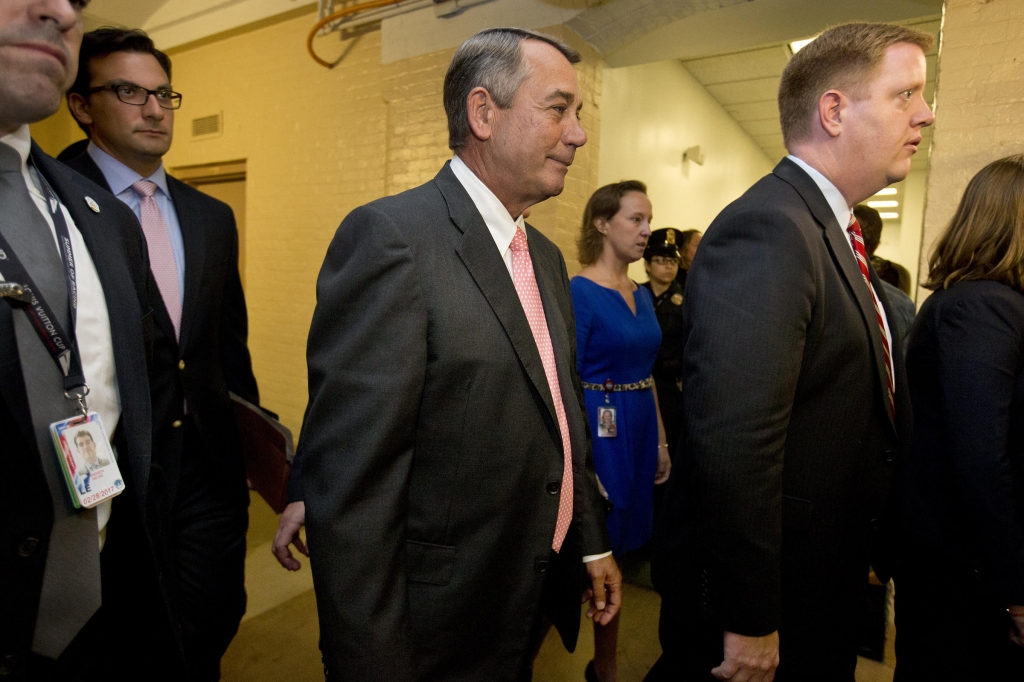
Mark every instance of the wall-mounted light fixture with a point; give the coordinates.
(888, 191)
(694, 154)
(889, 216)
(883, 204)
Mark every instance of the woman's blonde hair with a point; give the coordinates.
(985, 239)
(603, 205)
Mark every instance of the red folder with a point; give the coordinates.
(268, 450)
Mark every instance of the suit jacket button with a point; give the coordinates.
(554, 487)
(176, 424)
(28, 547)
(541, 566)
(8, 664)
(889, 455)
(181, 364)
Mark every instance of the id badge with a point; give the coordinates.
(606, 425)
(87, 460)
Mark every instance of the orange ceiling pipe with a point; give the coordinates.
(347, 11)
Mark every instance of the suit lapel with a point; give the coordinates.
(481, 258)
(12, 386)
(190, 219)
(87, 167)
(118, 291)
(842, 256)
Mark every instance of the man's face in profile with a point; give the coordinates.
(536, 139)
(39, 42)
(86, 446)
(884, 123)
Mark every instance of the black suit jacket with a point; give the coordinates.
(211, 356)
(115, 245)
(964, 501)
(433, 460)
(788, 453)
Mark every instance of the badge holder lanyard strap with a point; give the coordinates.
(62, 347)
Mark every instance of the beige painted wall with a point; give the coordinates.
(901, 238)
(317, 143)
(649, 115)
(979, 115)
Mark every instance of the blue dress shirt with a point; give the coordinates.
(121, 178)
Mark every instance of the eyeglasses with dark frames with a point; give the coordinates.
(130, 93)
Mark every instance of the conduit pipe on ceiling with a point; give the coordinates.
(390, 8)
(376, 10)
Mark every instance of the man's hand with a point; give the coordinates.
(292, 519)
(664, 466)
(1017, 631)
(605, 591)
(749, 659)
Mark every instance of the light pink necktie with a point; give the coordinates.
(161, 254)
(529, 295)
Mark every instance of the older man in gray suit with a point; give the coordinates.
(449, 486)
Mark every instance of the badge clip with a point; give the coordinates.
(609, 386)
(79, 397)
(15, 291)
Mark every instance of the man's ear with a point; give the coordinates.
(79, 108)
(830, 109)
(481, 109)
(601, 225)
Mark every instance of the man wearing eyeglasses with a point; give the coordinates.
(123, 99)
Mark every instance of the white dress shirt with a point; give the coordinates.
(92, 328)
(502, 228)
(843, 213)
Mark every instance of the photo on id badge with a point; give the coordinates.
(606, 422)
(87, 460)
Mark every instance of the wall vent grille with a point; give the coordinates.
(206, 125)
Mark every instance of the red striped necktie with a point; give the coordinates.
(857, 240)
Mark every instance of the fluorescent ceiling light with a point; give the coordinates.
(798, 45)
(889, 216)
(886, 192)
(883, 204)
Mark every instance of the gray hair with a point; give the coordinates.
(493, 60)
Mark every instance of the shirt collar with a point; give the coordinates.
(21, 141)
(496, 217)
(835, 198)
(119, 176)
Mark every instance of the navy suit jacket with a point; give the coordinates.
(115, 245)
(211, 355)
(782, 490)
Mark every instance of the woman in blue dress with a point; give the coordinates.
(617, 337)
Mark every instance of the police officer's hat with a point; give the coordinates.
(662, 243)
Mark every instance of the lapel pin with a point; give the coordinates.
(92, 204)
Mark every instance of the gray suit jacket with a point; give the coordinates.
(433, 460)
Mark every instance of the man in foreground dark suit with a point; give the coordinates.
(448, 481)
(79, 595)
(123, 99)
(796, 405)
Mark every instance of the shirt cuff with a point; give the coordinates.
(594, 557)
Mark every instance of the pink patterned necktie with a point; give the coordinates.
(161, 254)
(857, 240)
(529, 296)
